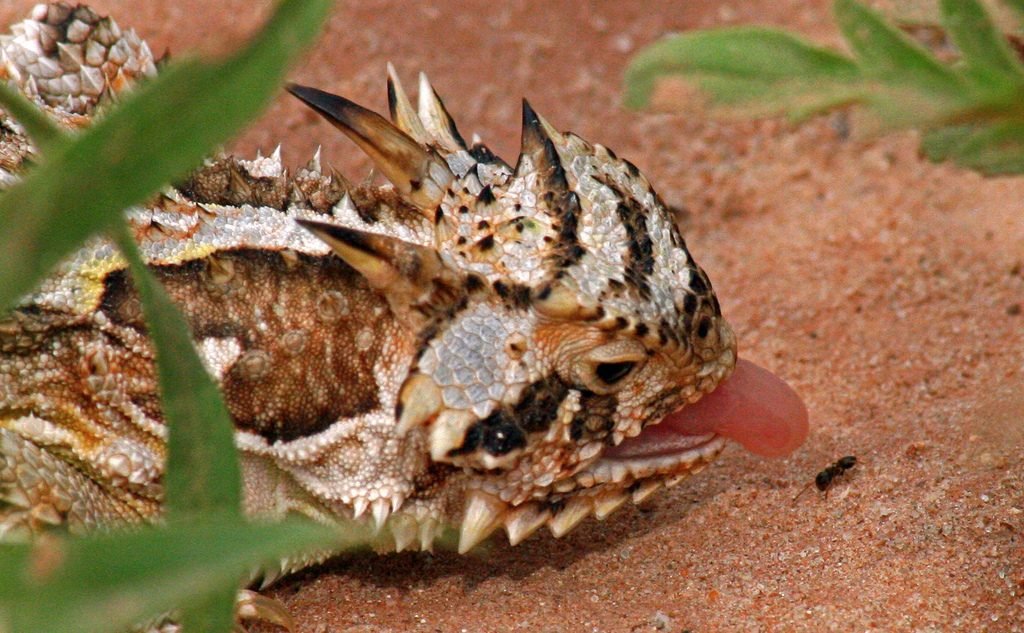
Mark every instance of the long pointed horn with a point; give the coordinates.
(538, 145)
(436, 119)
(420, 176)
(402, 113)
(401, 270)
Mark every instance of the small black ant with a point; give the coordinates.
(825, 478)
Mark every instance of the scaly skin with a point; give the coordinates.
(458, 347)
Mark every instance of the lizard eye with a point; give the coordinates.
(612, 373)
(606, 369)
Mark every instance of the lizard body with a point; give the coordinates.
(475, 343)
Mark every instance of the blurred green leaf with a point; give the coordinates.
(108, 582)
(159, 132)
(971, 111)
(202, 473)
(755, 67)
(986, 53)
(990, 149)
(884, 53)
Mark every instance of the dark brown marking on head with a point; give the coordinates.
(640, 263)
(690, 304)
(482, 154)
(703, 326)
(486, 196)
(474, 283)
(514, 294)
(698, 283)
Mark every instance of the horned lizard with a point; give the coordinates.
(476, 343)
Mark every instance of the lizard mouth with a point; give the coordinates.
(752, 407)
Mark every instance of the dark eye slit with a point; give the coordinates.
(612, 373)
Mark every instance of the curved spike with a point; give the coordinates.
(483, 515)
(577, 509)
(448, 432)
(538, 146)
(429, 530)
(436, 119)
(403, 529)
(359, 506)
(524, 521)
(402, 269)
(608, 504)
(647, 488)
(420, 176)
(403, 114)
(381, 509)
(419, 400)
(557, 301)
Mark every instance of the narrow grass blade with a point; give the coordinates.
(202, 472)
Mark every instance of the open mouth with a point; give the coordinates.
(753, 407)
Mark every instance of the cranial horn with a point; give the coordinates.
(402, 113)
(436, 119)
(538, 151)
(420, 176)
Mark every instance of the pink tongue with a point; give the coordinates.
(753, 407)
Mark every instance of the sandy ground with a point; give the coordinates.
(887, 290)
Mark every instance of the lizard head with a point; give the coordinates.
(557, 313)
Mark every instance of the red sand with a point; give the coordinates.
(887, 290)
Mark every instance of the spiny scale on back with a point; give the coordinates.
(459, 346)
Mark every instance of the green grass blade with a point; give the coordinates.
(986, 53)
(887, 55)
(159, 132)
(740, 66)
(43, 130)
(202, 472)
(106, 583)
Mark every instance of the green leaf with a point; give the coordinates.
(940, 144)
(889, 56)
(41, 129)
(105, 583)
(747, 66)
(202, 471)
(986, 53)
(159, 132)
(990, 149)
(214, 612)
